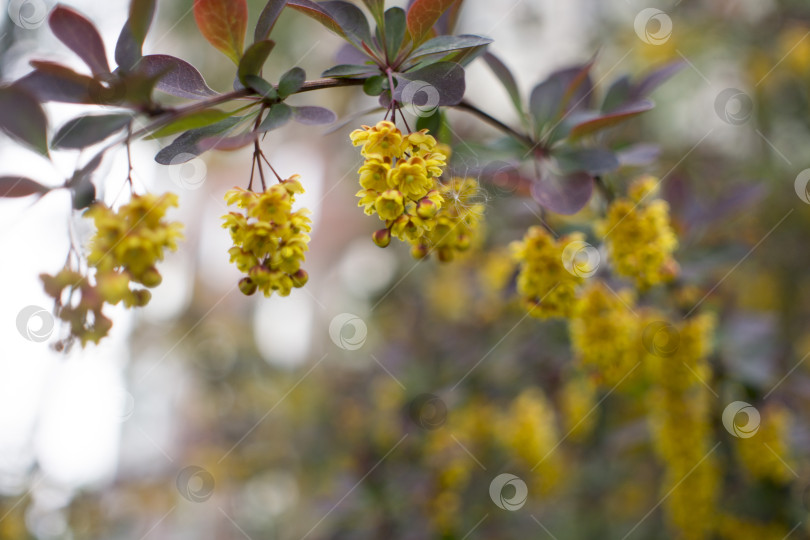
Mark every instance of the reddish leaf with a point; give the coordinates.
(22, 117)
(423, 14)
(656, 78)
(81, 36)
(18, 186)
(223, 23)
(563, 194)
(603, 121)
(311, 9)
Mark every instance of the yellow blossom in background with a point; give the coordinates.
(546, 287)
(766, 455)
(529, 431)
(680, 421)
(639, 237)
(578, 407)
(794, 49)
(459, 219)
(270, 240)
(605, 333)
(736, 528)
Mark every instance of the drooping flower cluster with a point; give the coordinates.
(605, 334)
(400, 183)
(639, 237)
(457, 222)
(766, 455)
(270, 240)
(547, 289)
(679, 403)
(124, 250)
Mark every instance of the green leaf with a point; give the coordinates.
(268, 19)
(395, 27)
(432, 122)
(443, 44)
(18, 186)
(376, 7)
(506, 78)
(374, 85)
(349, 70)
(264, 88)
(254, 58)
(193, 121)
(88, 130)
(423, 14)
(224, 24)
(291, 82)
(141, 13)
(22, 118)
(279, 114)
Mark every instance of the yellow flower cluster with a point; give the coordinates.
(766, 454)
(679, 405)
(546, 287)
(734, 528)
(270, 240)
(605, 334)
(577, 404)
(128, 243)
(529, 432)
(457, 222)
(639, 237)
(124, 250)
(400, 182)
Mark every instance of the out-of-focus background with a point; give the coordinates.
(213, 415)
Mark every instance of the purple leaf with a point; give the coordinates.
(185, 147)
(228, 143)
(314, 10)
(618, 94)
(22, 118)
(313, 116)
(129, 48)
(348, 54)
(350, 70)
(442, 83)
(445, 44)
(563, 91)
(18, 186)
(639, 155)
(563, 194)
(81, 37)
(268, 19)
(179, 78)
(656, 79)
(55, 82)
(505, 76)
(88, 130)
(350, 19)
(592, 160)
(597, 122)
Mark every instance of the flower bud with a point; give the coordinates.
(141, 297)
(426, 208)
(300, 278)
(419, 251)
(382, 237)
(151, 277)
(247, 286)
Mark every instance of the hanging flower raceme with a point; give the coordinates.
(124, 250)
(400, 181)
(605, 334)
(270, 240)
(457, 222)
(639, 237)
(546, 287)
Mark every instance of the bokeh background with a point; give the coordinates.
(213, 415)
